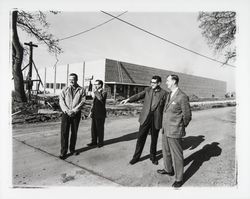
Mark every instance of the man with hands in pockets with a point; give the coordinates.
(176, 117)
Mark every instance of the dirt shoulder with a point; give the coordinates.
(33, 112)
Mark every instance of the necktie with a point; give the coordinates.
(151, 100)
(169, 96)
(72, 92)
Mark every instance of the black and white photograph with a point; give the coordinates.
(118, 96)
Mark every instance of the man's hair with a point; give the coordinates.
(158, 78)
(73, 74)
(175, 78)
(99, 82)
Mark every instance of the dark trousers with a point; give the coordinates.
(97, 130)
(67, 123)
(142, 136)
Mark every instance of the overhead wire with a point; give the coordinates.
(97, 26)
(85, 31)
(168, 41)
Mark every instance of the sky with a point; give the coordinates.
(120, 41)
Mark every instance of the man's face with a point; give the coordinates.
(170, 82)
(154, 83)
(97, 85)
(72, 80)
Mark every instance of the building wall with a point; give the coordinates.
(192, 85)
(107, 70)
(122, 91)
(88, 72)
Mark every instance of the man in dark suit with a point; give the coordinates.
(98, 114)
(150, 117)
(176, 117)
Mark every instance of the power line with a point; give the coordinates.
(173, 43)
(82, 32)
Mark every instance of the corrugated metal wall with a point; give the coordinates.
(192, 85)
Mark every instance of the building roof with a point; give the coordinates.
(123, 72)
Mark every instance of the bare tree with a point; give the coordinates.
(34, 24)
(219, 29)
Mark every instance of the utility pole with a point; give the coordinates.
(29, 77)
(67, 75)
(45, 82)
(54, 79)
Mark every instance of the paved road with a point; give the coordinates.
(209, 151)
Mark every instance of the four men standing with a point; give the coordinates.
(169, 111)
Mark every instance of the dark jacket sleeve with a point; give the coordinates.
(101, 96)
(165, 96)
(137, 96)
(186, 110)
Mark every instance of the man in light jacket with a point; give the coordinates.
(176, 117)
(71, 101)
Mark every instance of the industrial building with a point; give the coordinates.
(123, 79)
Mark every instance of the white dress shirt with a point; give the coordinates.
(173, 92)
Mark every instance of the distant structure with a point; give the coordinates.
(122, 79)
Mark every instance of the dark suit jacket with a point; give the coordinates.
(158, 106)
(176, 115)
(98, 109)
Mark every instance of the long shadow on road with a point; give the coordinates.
(199, 157)
(190, 142)
(128, 137)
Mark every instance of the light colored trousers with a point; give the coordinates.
(173, 156)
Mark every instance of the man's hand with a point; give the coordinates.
(124, 101)
(90, 115)
(92, 94)
(70, 113)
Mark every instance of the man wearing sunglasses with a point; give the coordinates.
(150, 117)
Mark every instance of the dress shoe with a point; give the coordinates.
(63, 157)
(75, 153)
(99, 145)
(164, 172)
(152, 158)
(133, 161)
(177, 184)
(92, 144)
(154, 161)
